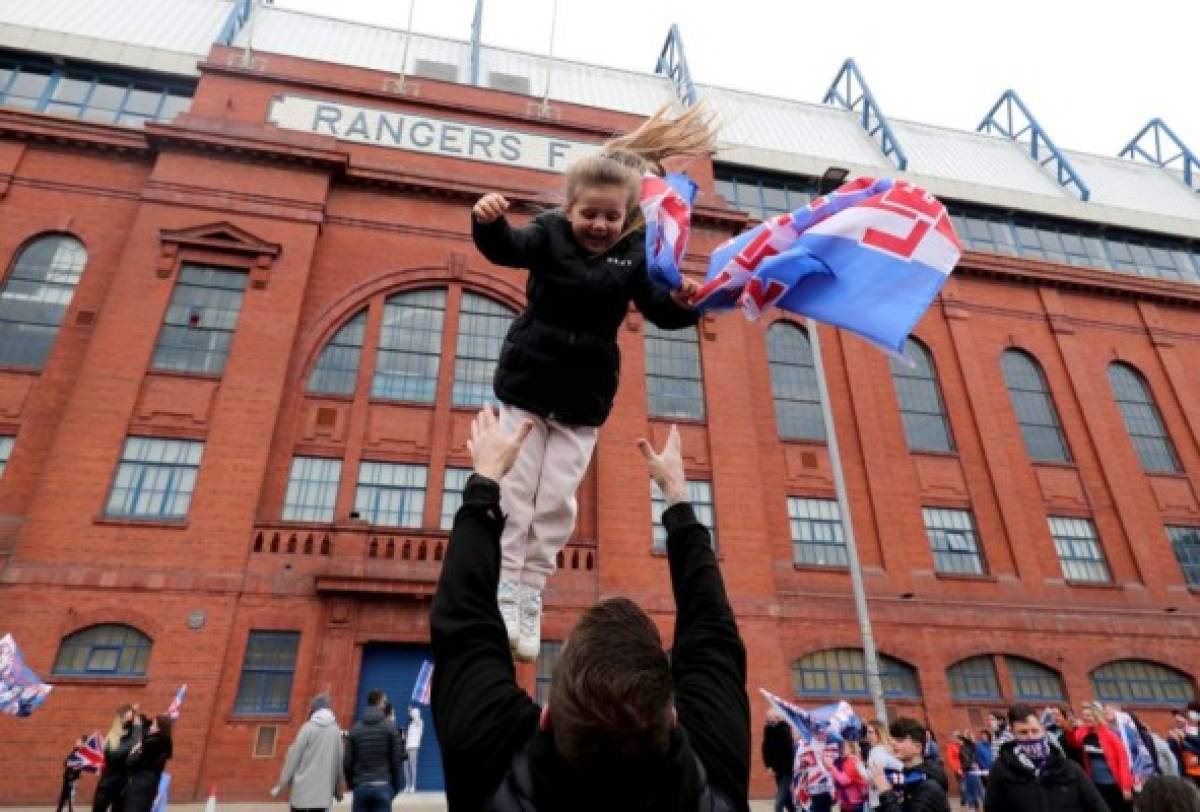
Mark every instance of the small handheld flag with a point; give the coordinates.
(89, 756)
(870, 258)
(666, 204)
(177, 702)
(420, 694)
(21, 690)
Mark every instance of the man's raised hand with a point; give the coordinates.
(492, 449)
(666, 467)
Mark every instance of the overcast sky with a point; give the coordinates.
(1093, 73)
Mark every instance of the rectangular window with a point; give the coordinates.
(391, 494)
(6, 447)
(453, 484)
(1079, 550)
(200, 321)
(700, 496)
(267, 670)
(155, 478)
(952, 540)
(482, 326)
(674, 387)
(1186, 542)
(312, 489)
(817, 538)
(546, 662)
(410, 346)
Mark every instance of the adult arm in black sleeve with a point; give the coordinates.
(1090, 798)
(504, 245)
(708, 659)
(348, 760)
(658, 306)
(482, 717)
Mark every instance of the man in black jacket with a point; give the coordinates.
(779, 756)
(625, 727)
(922, 786)
(1033, 774)
(371, 761)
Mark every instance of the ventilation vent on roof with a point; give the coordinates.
(509, 82)
(441, 71)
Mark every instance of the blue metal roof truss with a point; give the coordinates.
(1153, 151)
(672, 63)
(1011, 118)
(238, 16)
(849, 90)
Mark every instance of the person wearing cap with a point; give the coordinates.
(313, 767)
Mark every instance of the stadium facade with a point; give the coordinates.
(243, 330)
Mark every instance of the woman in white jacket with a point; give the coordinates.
(412, 743)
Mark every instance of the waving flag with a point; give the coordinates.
(420, 694)
(870, 257)
(21, 690)
(839, 719)
(89, 756)
(666, 205)
(177, 702)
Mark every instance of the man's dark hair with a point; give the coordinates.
(388, 710)
(1164, 792)
(375, 697)
(905, 727)
(1020, 712)
(610, 698)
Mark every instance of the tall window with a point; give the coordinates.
(155, 478)
(974, 679)
(700, 496)
(35, 296)
(1034, 682)
(1142, 420)
(200, 321)
(77, 91)
(1079, 550)
(453, 484)
(674, 387)
(842, 672)
(267, 671)
(952, 540)
(1142, 682)
(817, 538)
(410, 346)
(482, 325)
(547, 661)
(391, 494)
(1184, 540)
(794, 383)
(763, 195)
(312, 489)
(925, 423)
(336, 370)
(108, 650)
(1034, 408)
(6, 447)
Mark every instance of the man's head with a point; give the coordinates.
(376, 698)
(611, 694)
(1024, 722)
(908, 740)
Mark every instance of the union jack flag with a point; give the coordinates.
(177, 702)
(89, 756)
(666, 205)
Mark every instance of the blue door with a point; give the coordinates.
(393, 669)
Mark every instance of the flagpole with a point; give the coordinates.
(545, 108)
(412, 5)
(870, 656)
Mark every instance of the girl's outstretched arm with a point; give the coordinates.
(499, 242)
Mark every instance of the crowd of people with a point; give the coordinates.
(1103, 760)
(136, 750)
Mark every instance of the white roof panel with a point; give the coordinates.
(1142, 187)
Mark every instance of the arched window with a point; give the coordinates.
(974, 679)
(107, 650)
(1034, 408)
(482, 325)
(1034, 682)
(794, 383)
(35, 296)
(1142, 681)
(410, 346)
(924, 413)
(336, 370)
(842, 672)
(1143, 420)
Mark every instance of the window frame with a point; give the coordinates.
(702, 503)
(463, 393)
(7, 443)
(804, 401)
(288, 514)
(423, 388)
(834, 523)
(137, 641)
(185, 333)
(1151, 412)
(342, 341)
(378, 489)
(974, 671)
(1189, 563)
(261, 710)
(1100, 559)
(175, 518)
(945, 553)
(1045, 401)
(53, 292)
(901, 373)
(1100, 683)
(680, 338)
(891, 668)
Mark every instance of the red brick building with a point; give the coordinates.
(240, 348)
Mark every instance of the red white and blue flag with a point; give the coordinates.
(21, 690)
(177, 702)
(89, 756)
(420, 694)
(666, 205)
(870, 257)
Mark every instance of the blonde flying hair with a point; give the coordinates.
(117, 729)
(623, 160)
(881, 730)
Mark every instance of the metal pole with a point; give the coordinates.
(870, 656)
(412, 4)
(545, 109)
(476, 36)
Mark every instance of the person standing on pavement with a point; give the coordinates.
(1104, 758)
(778, 754)
(880, 760)
(312, 770)
(412, 744)
(373, 757)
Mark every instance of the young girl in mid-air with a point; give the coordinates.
(559, 364)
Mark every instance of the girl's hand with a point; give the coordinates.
(489, 208)
(683, 296)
